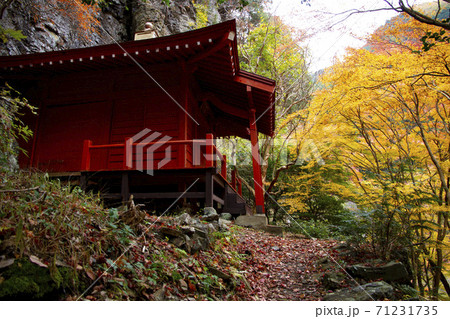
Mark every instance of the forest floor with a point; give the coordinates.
(285, 268)
(69, 247)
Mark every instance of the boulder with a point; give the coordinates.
(226, 216)
(160, 294)
(206, 228)
(210, 214)
(223, 224)
(390, 272)
(212, 227)
(179, 242)
(372, 291)
(184, 219)
(187, 230)
(201, 233)
(198, 243)
(172, 232)
(333, 280)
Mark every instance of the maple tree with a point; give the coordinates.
(423, 17)
(81, 14)
(272, 49)
(383, 115)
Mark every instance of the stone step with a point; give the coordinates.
(255, 221)
(235, 204)
(273, 229)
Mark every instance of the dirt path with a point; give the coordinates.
(283, 268)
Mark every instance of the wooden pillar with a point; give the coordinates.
(233, 178)
(209, 188)
(183, 117)
(209, 154)
(223, 169)
(125, 191)
(256, 159)
(83, 181)
(128, 154)
(86, 156)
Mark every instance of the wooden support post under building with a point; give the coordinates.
(209, 189)
(256, 159)
(83, 181)
(125, 189)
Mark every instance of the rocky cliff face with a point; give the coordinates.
(55, 24)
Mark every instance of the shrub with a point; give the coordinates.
(11, 128)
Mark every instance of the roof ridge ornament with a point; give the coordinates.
(150, 32)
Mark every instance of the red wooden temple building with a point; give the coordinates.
(107, 115)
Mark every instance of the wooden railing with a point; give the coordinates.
(236, 181)
(211, 155)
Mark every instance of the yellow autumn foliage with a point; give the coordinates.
(383, 114)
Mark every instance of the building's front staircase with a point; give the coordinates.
(235, 204)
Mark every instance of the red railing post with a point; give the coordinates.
(86, 156)
(224, 167)
(128, 154)
(233, 178)
(209, 150)
(256, 159)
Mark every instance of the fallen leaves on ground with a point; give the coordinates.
(283, 268)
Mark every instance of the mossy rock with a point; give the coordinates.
(25, 280)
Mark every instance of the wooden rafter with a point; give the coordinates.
(224, 107)
(225, 40)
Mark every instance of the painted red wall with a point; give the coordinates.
(106, 107)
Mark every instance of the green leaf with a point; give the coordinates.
(5, 34)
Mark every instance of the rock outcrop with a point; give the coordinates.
(179, 16)
(372, 291)
(57, 25)
(194, 234)
(390, 272)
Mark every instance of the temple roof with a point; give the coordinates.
(210, 52)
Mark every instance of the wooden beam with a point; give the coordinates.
(219, 180)
(224, 107)
(255, 84)
(170, 195)
(225, 40)
(218, 199)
